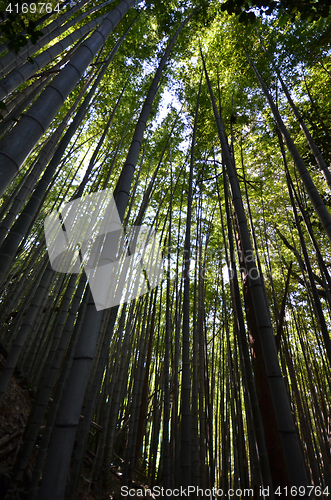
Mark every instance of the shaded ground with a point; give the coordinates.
(14, 414)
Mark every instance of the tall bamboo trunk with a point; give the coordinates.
(58, 461)
(315, 198)
(12, 59)
(19, 142)
(293, 457)
(185, 446)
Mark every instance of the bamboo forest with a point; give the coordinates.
(206, 126)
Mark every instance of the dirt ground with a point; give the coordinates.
(14, 414)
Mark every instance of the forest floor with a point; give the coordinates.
(13, 419)
(14, 414)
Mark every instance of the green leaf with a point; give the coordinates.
(243, 18)
(283, 20)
